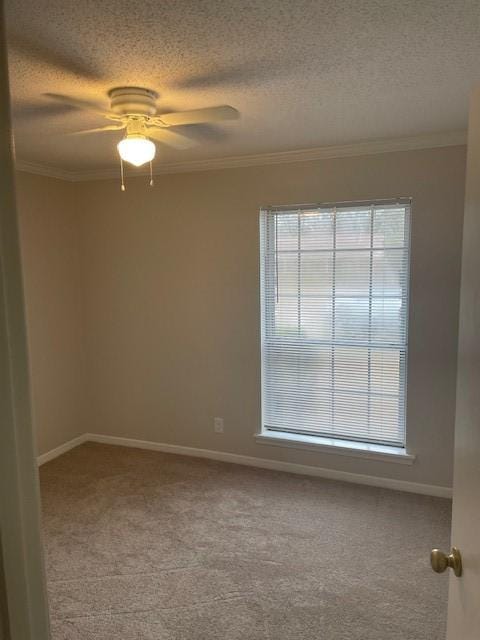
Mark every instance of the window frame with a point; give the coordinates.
(319, 439)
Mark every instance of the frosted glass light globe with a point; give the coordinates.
(136, 150)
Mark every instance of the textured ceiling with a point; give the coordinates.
(302, 73)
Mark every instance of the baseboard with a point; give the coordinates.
(276, 465)
(63, 448)
(250, 461)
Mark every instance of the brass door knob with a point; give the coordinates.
(440, 561)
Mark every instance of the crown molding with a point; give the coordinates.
(427, 141)
(45, 170)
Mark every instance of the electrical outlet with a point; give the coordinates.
(218, 425)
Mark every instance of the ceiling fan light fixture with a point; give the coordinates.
(134, 109)
(136, 150)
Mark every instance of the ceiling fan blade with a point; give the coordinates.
(234, 75)
(205, 132)
(34, 49)
(170, 138)
(33, 110)
(240, 74)
(80, 104)
(210, 114)
(108, 127)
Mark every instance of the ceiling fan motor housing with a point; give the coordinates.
(136, 101)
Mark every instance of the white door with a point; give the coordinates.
(464, 596)
(23, 604)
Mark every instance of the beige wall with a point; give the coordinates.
(49, 234)
(171, 279)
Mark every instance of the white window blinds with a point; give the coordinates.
(334, 320)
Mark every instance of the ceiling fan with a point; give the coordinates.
(134, 110)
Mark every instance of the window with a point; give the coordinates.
(334, 320)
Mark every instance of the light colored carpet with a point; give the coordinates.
(148, 546)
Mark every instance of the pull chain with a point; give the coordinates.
(122, 175)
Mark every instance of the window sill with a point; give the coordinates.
(336, 446)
